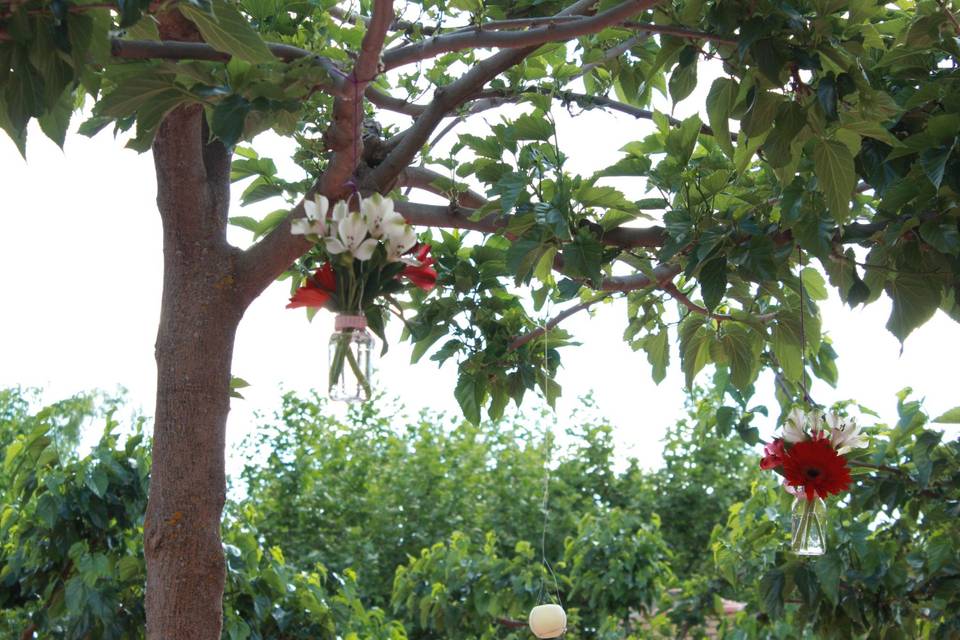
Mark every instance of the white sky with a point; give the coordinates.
(80, 278)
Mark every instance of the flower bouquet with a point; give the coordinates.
(811, 456)
(366, 255)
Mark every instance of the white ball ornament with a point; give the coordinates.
(548, 621)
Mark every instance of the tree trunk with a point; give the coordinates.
(198, 320)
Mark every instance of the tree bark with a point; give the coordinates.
(198, 321)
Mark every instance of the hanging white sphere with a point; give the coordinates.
(548, 621)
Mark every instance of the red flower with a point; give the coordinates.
(773, 454)
(317, 291)
(817, 467)
(422, 274)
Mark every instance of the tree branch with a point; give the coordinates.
(553, 322)
(679, 32)
(344, 136)
(456, 93)
(481, 39)
(675, 293)
(263, 262)
(428, 180)
(390, 103)
(646, 27)
(397, 25)
(173, 50)
(453, 216)
(661, 276)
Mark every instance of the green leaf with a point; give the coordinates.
(720, 102)
(771, 592)
(657, 347)
(694, 346)
(833, 166)
(469, 395)
(228, 118)
(725, 418)
(129, 567)
(713, 281)
(683, 81)
(55, 122)
(950, 417)
(827, 96)
(24, 93)
(97, 481)
(584, 257)
(742, 352)
(778, 147)
(47, 509)
(759, 118)
(813, 283)
(943, 236)
(132, 93)
(682, 140)
(532, 127)
(523, 256)
(785, 342)
(145, 29)
(228, 31)
(934, 162)
(915, 299)
(827, 568)
(237, 383)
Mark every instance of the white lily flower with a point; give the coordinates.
(794, 429)
(399, 243)
(381, 219)
(315, 218)
(351, 237)
(845, 436)
(340, 210)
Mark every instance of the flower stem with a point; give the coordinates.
(803, 531)
(362, 379)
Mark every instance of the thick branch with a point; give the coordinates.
(679, 32)
(172, 50)
(267, 259)
(536, 36)
(453, 95)
(646, 27)
(457, 217)
(397, 25)
(390, 103)
(427, 180)
(345, 132)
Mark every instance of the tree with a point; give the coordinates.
(71, 524)
(847, 117)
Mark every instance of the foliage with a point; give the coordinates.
(70, 556)
(893, 569)
(704, 472)
(371, 494)
(830, 135)
(71, 561)
(462, 557)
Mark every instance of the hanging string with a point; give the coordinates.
(803, 336)
(545, 506)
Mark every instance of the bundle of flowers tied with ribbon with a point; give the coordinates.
(366, 257)
(812, 457)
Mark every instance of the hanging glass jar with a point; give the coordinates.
(809, 526)
(350, 351)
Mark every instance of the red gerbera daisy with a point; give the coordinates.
(773, 454)
(317, 291)
(817, 467)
